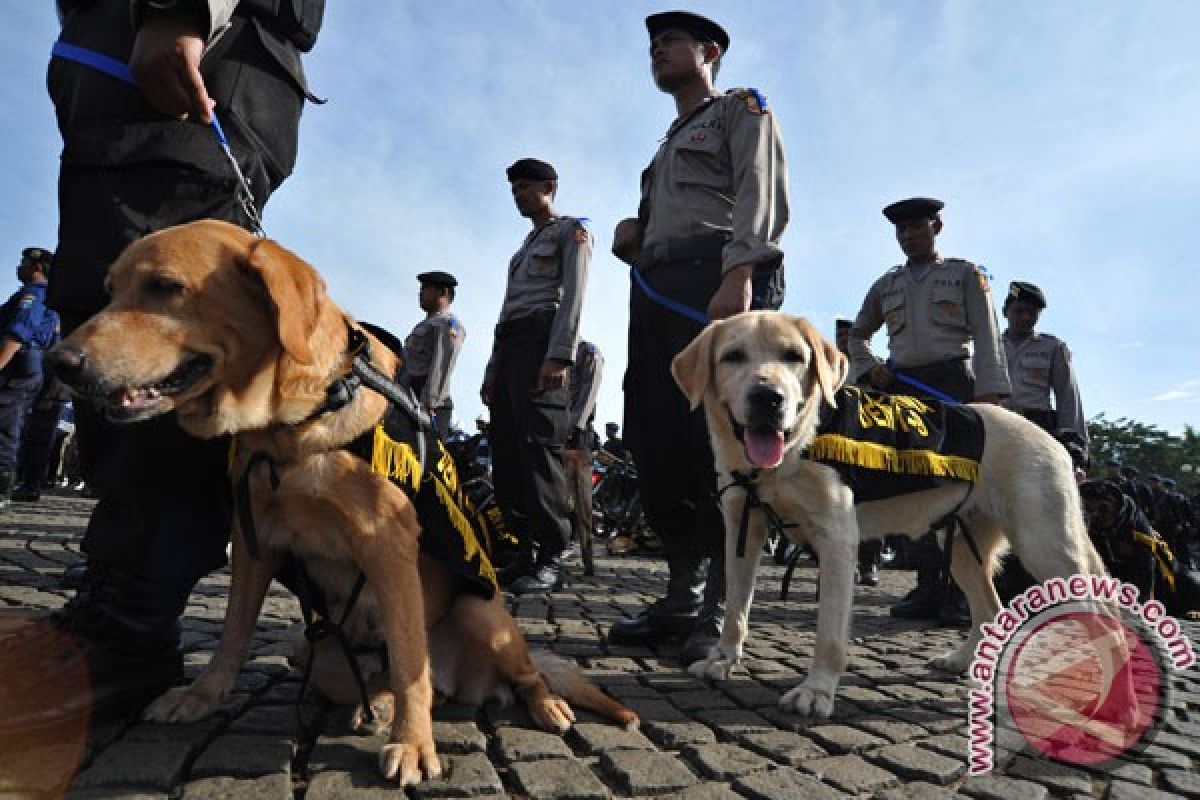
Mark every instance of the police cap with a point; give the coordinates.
(438, 278)
(611, 426)
(913, 208)
(703, 28)
(38, 255)
(530, 169)
(1022, 291)
(843, 324)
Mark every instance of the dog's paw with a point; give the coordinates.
(808, 701)
(409, 764)
(717, 666)
(552, 713)
(955, 662)
(181, 704)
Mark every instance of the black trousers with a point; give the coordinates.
(16, 396)
(528, 434)
(669, 442)
(40, 433)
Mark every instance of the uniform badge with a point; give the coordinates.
(581, 234)
(982, 277)
(26, 300)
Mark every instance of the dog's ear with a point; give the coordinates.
(692, 368)
(829, 362)
(294, 288)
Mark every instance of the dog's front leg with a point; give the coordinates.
(740, 573)
(247, 589)
(835, 546)
(393, 576)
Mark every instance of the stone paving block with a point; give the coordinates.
(843, 739)
(706, 791)
(930, 720)
(640, 772)
(724, 762)
(150, 765)
(1124, 790)
(190, 732)
(656, 710)
(245, 757)
(888, 728)
(784, 747)
(850, 773)
(95, 794)
(775, 784)
(1058, 778)
(698, 700)
(458, 737)
(470, 775)
(1002, 787)
(359, 785)
(1135, 773)
(916, 764)
(592, 738)
(278, 721)
(948, 744)
(557, 779)
(520, 744)
(1160, 756)
(918, 790)
(728, 723)
(674, 735)
(1186, 782)
(268, 787)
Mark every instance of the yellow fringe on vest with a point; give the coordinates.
(463, 526)
(835, 447)
(1162, 555)
(395, 460)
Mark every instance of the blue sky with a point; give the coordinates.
(1062, 136)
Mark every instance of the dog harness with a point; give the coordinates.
(398, 447)
(884, 446)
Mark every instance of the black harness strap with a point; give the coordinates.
(318, 627)
(949, 522)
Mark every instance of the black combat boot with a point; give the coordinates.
(711, 619)
(923, 602)
(549, 574)
(672, 617)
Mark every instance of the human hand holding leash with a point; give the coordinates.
(553, 375)
(166, 64)
(734, 293)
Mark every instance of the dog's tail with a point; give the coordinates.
(564, 678)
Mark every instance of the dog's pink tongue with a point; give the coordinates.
(764, 448)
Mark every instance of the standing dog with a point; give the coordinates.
(764, 378)
(236, 335)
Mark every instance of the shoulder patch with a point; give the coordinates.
(981, 274)
(754, 100)
(581, 231)
(26, 300)
(455, 327)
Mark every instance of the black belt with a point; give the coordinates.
(706, 245)
(955, 364)
(527, 323)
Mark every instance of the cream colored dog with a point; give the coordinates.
(763, 378)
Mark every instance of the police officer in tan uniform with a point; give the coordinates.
(432, 348)
(1039, 364)
(939, 317)
(526, 381)
(705, 244)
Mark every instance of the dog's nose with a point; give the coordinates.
(766, 397)
(67, 362)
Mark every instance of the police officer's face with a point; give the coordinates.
(917, 236)
(532, 196)
(1022, 316)
(676, 58)
(26, 270)
(428, 297)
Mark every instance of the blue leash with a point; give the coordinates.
(119, 70)
(916, 384)
(667, 302)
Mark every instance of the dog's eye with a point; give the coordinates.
(793, 356)
(733, 357)
(163, 287)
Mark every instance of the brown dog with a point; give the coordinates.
(237, 335)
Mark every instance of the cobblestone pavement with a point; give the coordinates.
(898, 729)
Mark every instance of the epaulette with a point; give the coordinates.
(754, 100)
(981, 272)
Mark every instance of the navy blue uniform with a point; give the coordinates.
(25, 318)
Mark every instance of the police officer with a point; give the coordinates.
(714, 204)
(586, 373)
(525, 384)
(139, 157)
(939, 315)
(1040, 364)
(432, 347)
(27, 328)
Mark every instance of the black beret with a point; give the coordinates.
(842, 324)
(530, 169)
(438, 278)
(611, 426)
(1019, 291)
(38, 254)
(702, 28)
(912, 209)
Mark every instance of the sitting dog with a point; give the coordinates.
(765, 379)
(236, 335)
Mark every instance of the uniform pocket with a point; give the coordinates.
(548, 418)
(895, 313)
(698, 160)
(949, 309)
(544, 261)
(1033, 372)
